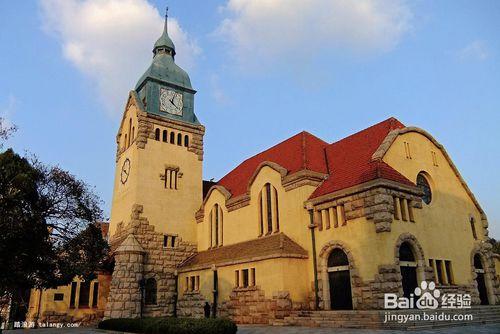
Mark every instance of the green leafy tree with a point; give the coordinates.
(47, 235)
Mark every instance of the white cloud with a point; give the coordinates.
(7, 110)
(275, 30)
(110, 41)
(476, 50)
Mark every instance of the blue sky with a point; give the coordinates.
(264, 70)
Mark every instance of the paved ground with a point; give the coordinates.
(476, 329)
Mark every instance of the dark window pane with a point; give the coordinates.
(423, 184)
(478, 264)
(84, 294)
(58, 296)
(337, 258)
(150, 292)
(439, 268)
(269, 211)
(406, 252)
(95, 294)
(157, 134)
(73, 295)
(245, 278)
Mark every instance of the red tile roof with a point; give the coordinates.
(302, 151)
(348, 161)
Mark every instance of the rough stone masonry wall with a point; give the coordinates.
(158, 262)
(89, 319)
(191, 304)
(250, 306)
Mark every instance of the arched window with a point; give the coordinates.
(337, 258)
(339, 279)
(186, 141)
(157, 134)
(126, 141)
(179, 139)
(216, 226)
(406, 252)
(172, 137)
(133, 133)
(150, 291)
(423, 184)
(478, 264)
(268, 210)
(165, 137)
(473, 227)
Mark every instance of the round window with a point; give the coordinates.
(423, 184)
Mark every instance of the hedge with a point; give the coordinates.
(171, 325)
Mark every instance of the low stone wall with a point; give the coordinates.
(250, 306)
(191, 304)
(87, 319)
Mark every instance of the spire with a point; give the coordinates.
(164, 43)
(165, 28)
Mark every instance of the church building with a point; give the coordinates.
(304, 225)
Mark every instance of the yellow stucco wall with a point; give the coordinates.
(39, 306)
(442, 228)
(169, 210)
(270, 276)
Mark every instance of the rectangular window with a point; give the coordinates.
(165, 241)
(342, 215)
(473, 228)
(397, 214)
(449, 272)
(58, 297)
(245, 278)
(172, 244)
(74, 286)
(197, 283)
(83, 299)
(186, 288)
(325, 217)
(193, 282)
(252, 277)
(432, 265)
(403, 205)
(95, 294)
(237, 278)
(407, 150)
(439, 269)
(410, 212)
(434, 159)
(319, 220)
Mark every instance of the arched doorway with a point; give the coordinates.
(480, 279)
(408, 267)
(339, 278)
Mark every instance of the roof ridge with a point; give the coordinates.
(390, 120)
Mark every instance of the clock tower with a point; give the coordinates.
(157, 187)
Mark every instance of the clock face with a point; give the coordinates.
(171, 101)
(125, 172)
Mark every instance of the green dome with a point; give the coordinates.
(164, 69)
(164, 42)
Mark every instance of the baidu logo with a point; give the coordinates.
(427, 297)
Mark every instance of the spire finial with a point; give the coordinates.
(166, 19)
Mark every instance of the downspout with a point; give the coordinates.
(312, 226)
(176, 294)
